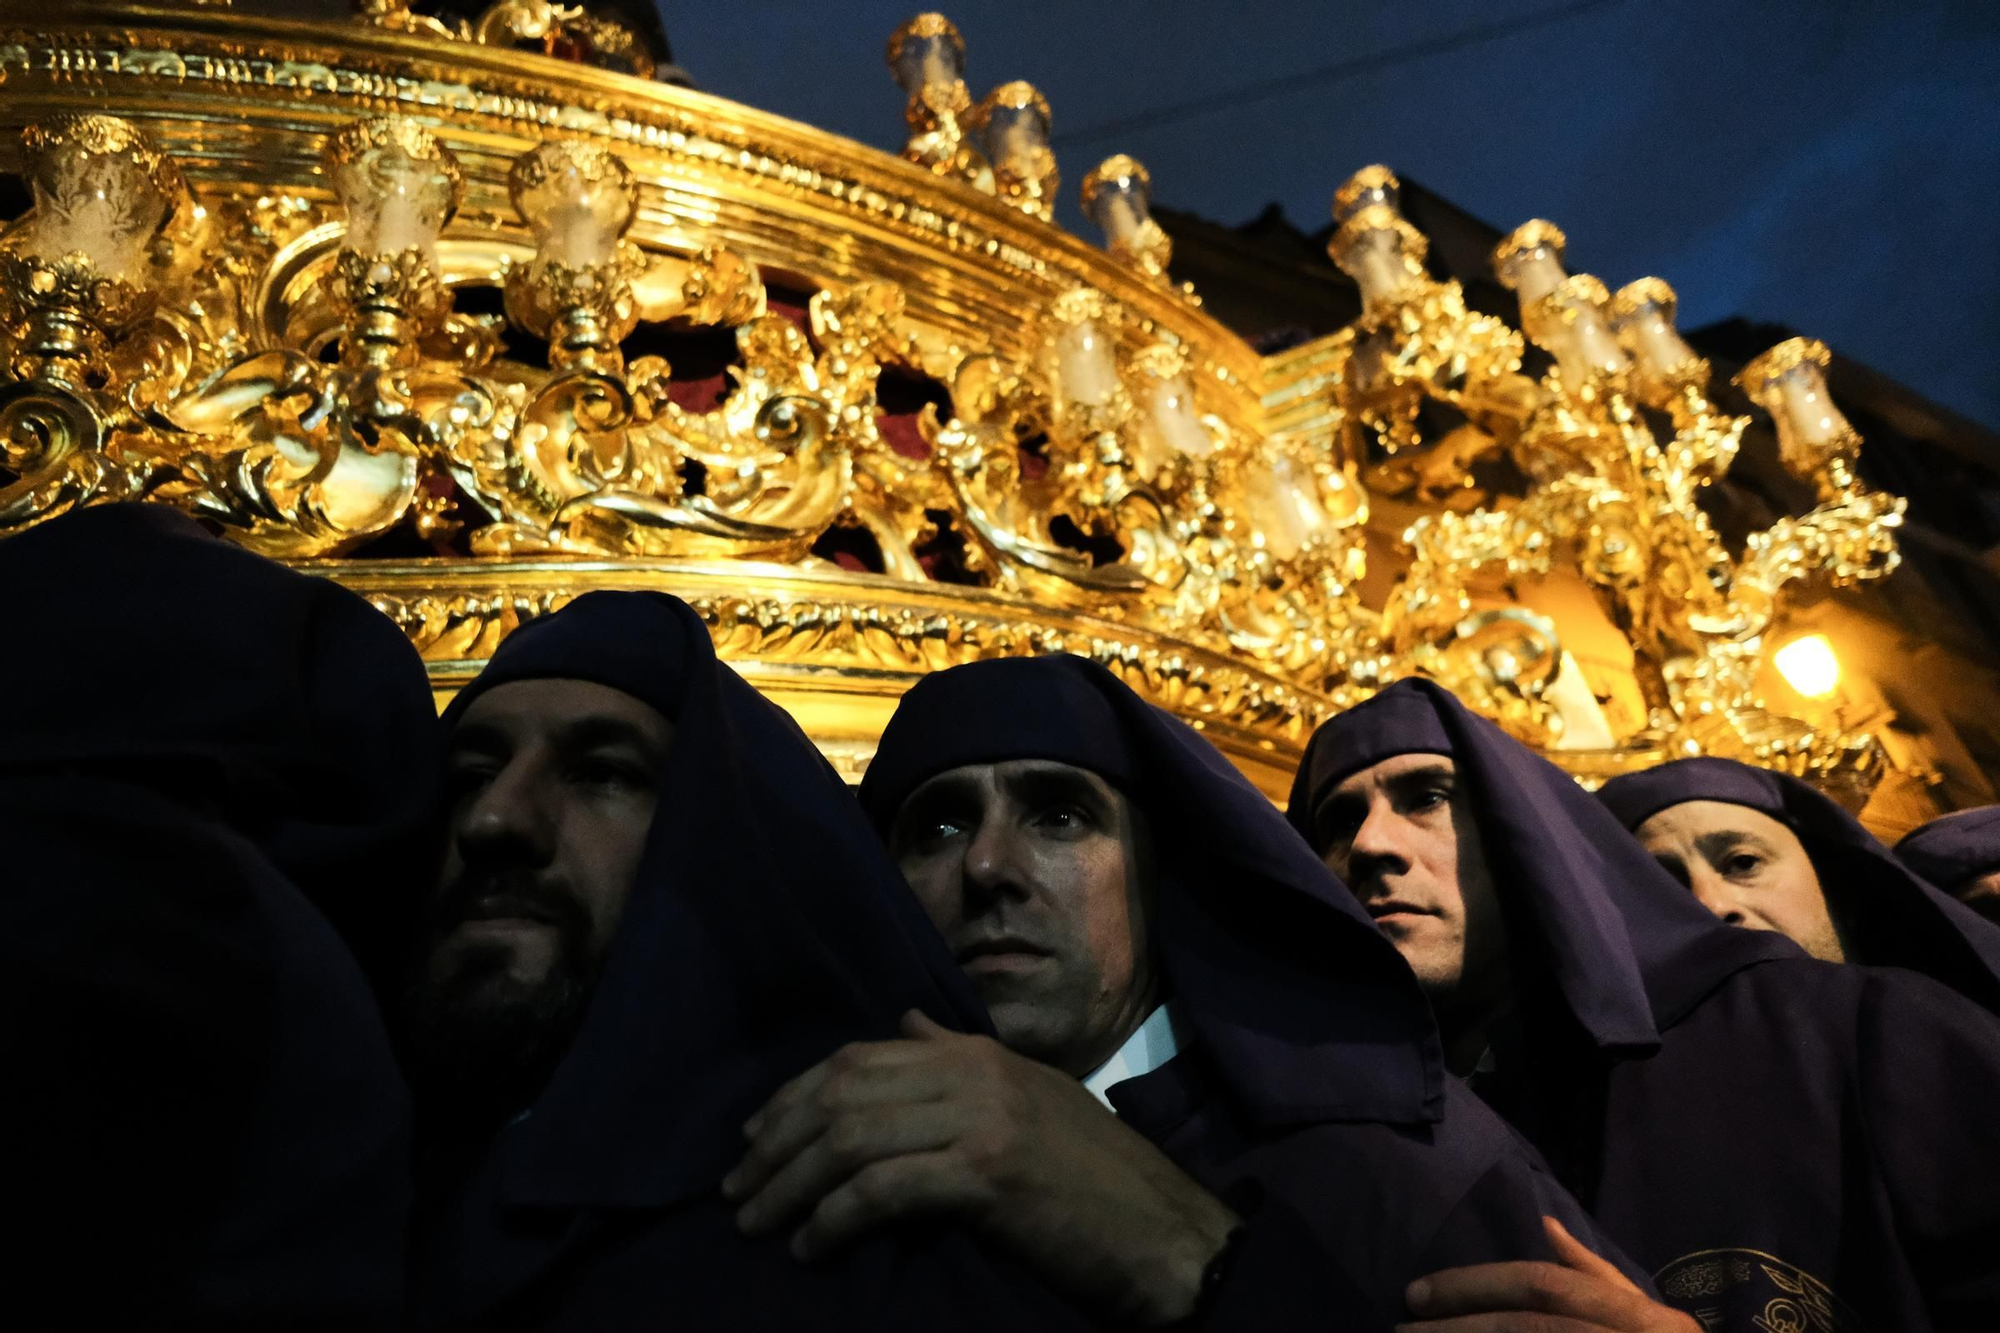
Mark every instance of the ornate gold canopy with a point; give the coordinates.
(474, 329)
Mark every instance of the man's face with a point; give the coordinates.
(552, 786)
(1747, 868)
(1401, 837)
(1036, 874)
(1982, 894)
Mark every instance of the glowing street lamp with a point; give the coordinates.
(1809, 666)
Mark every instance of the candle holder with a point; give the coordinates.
(399, 186)
(1815, 439)
(1563, 313)
(1087, 396)
(1417, 342)
(1666, 373)
(927, 56)
(578, 200)
(1170, 426)
(1117, 196)
(1014, 120)
(1373, 244)
(82, 269)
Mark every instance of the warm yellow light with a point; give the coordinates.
(1809, 666)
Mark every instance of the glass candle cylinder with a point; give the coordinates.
(1282, 501)
(926, 52)
(1117, 196)
(1171, 411)
(578, 200)
(1086, 370)
(1570, 322)
(1530, 261)
(1169, 423)
(1017, 120)
(1789, 382)
(1381, 252)
(398, 184)
(1642, 316)
(101, 190)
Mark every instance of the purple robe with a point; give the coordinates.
(1956, 850)
(1783, 1143)
(765, 929)
(1890, 916)
(214, 787)
(1313, 1096)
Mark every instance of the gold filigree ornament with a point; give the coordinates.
(570, 31)
(474, 330)
(1623, 504)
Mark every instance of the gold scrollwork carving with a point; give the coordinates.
(1094, 464)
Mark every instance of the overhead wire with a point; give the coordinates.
(1249, 94)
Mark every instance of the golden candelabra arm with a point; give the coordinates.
(1416, 341)
(298, 457)
(1606, 493)
(1851, 536)
(78, 276)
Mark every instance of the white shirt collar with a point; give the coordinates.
(1155, 1043)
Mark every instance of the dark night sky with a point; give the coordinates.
(1826, 164)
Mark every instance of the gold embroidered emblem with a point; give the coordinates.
(1748, 1291)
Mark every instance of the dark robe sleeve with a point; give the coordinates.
(1500, 1218)
(1342, 1218)
(1929, 1065)
(1279, 1279)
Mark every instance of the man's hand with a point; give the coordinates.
(1579, 1293)
(948, 1124)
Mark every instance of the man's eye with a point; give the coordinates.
(1743, 863)
(928, 835)
(1336, 828)
(1061, 818)
(463, 780)
(608, 773)
(1426, 799)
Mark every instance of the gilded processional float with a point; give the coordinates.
(473, 317)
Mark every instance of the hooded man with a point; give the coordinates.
(214, 787)
(1960, 853)
(1769, 851)
(658, 903)
(1782, 1142)
(1150, 940)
